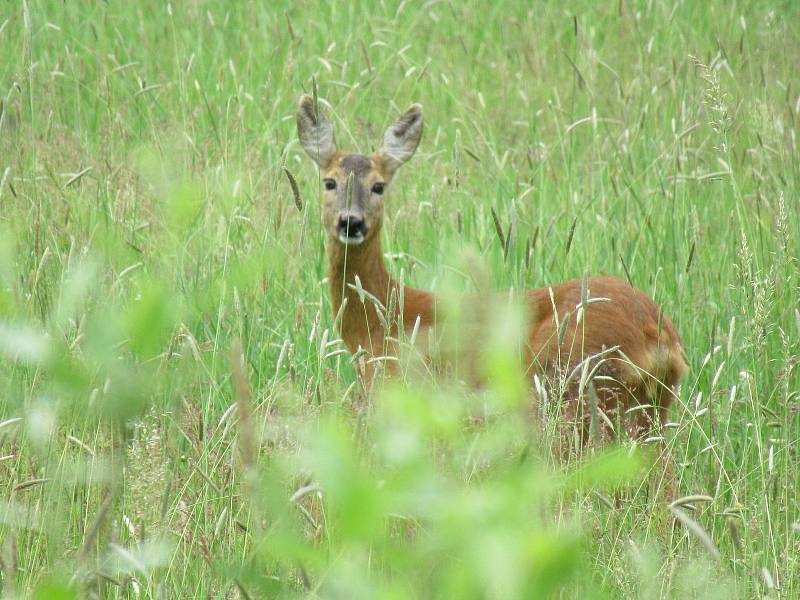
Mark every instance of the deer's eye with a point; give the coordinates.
(377, 188)
(330, 184)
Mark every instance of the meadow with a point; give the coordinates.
(178, 418)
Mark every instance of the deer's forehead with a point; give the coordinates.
(357, 164)
(361, 166)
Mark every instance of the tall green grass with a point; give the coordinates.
(177, 418)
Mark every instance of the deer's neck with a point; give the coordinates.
(360, 325)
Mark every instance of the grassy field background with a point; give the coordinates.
(177, 417)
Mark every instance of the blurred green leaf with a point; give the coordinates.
(552, 559)
(609, 468)
(355, 497)
(75, 289)
(53, 588)
(149, 319)
(506, 342)
(25, 343)
(185, 203)
(142, 559)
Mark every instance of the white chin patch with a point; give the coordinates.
(351, 241)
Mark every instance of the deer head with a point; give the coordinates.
(355, 184)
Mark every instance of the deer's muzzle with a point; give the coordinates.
(352, 228)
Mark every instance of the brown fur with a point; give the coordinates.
(360, 326)
(633, 351)
(644, 370)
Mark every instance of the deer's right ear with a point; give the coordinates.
(315, 132)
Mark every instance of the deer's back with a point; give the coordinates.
(634, 345)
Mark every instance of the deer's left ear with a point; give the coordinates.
(402, 138)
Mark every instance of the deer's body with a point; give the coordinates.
(632, 350)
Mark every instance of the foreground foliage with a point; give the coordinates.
(178, 417)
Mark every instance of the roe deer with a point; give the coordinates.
(633, 352)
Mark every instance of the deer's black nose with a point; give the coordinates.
(352, 226)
